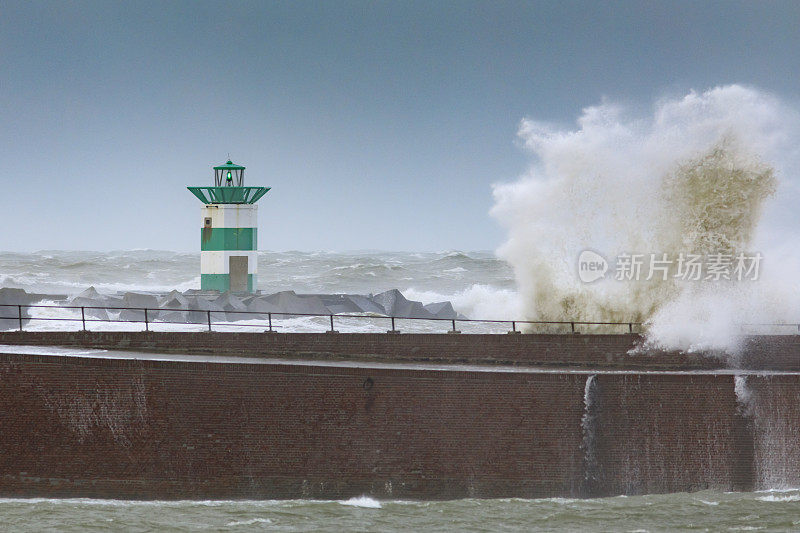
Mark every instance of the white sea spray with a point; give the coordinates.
(710, 172)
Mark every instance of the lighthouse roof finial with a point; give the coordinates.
(229, 165)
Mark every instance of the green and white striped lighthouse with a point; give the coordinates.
(229, 231)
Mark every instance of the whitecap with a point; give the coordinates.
(774, 498)
(251, 522)
(362, 501)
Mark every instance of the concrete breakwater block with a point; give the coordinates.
(199, 310)
(175, 317)
(395, 304)
(89, 306)
(174, 300)
(260, 305)
(135, 299)
(234, 307)
(365, 304)
(339, 303)
(89, 294)
(194, 306)
(229, 302)
(173, 307)
(9, 300)
(90, 297)
(289, 302)
(90, 300)
(442, 310)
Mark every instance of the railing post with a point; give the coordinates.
(269, 316)
(395, 329)
(572, 324)
(630, 327)
(454, 330)
(83, 318)
(514, 325)
(209, 319)
(331, 330)
(19, 311)
(146, 325)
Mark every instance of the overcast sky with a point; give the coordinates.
(378, 125)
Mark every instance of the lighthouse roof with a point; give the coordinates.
(229, 165)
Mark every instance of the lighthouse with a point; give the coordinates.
(229, 231)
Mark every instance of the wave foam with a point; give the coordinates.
(362, 501)
(695, 176)
(477, 301)
(251, 522)
(774, 498)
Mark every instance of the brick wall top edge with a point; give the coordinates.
(768, 351)
(222, 369)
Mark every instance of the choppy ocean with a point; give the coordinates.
(701, 511)
(477, 283)
(443, 273)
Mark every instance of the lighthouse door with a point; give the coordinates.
(238, 273)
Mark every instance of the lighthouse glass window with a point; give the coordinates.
(233, 177)
(228, 177)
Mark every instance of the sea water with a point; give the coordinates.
(434, 275)
(700, 511)
(477, 283)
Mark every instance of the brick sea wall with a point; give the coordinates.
(127, 428)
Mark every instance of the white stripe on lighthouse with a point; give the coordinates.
(219, 262)
(230, 215)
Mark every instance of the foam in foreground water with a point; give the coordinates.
(769, 511)
(711, 172)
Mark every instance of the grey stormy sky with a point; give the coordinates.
(378, 124)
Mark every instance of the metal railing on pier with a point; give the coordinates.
(149, 317)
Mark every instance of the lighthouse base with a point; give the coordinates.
(222, 283)
(228, 270)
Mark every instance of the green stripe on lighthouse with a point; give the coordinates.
(222, 282)
(221, 239)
